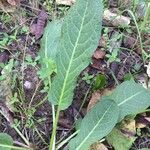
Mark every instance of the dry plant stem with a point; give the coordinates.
(66, 140)
(23, 60)
(40, 136)
(20, 144)
(37, 86)
(69, 138)
(85, 97)
(41, 102)
(22, 136)
(113, 75)
(55, 10)
(33, 8)
(6, 48)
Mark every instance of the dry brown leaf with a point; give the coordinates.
(147, 119)
(143, 121)
(33, 28)
(96, 63)
(65, 2)
(129, 127)
(98, 146)
(42, 18)
(4, 56)
(102, 42)
(129, 41)
(6, 7)
(38, 28)
(115, 19)
(99, 54)
(97, 95)
(140, 125)
(13, 2)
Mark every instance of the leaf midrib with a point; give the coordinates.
(129, 98)
(93, 129)
(71, 60)
(46, 49)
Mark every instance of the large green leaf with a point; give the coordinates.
(131, 98)
(50, 39)
(5, 139)
(79, 38)
(96, 124)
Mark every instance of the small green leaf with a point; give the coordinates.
(87, 78)
(131, 98)
(119, 141)
(128, 77)
(5, 139)
(47, 69)
(97, 123)
(100, 82)
(50, 39)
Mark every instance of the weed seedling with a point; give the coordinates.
(87, 78)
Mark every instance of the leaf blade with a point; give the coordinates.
(131, 98)
(93, 126)
(79, 38)
(5, 139)
(50, 39)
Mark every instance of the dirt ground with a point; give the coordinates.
(32, 112)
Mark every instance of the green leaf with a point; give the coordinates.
(5, 139)
(97, 123)
(78, 124)
(47, 69)
(119, 141)
(79, 38)
(48, 51)
(87, 78)
(100, 82)
(131, 98)
(50, 39)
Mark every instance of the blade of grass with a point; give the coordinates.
(66, 140)
(21, 135)
(139, 33)
(147, 15)
(14, 147)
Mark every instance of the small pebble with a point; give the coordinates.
(148, 69)
(28, 85)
